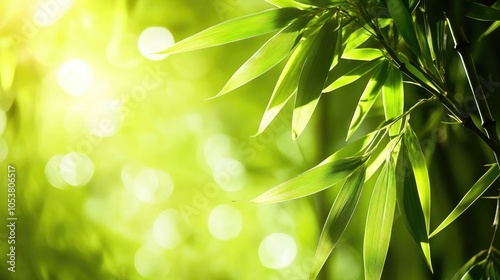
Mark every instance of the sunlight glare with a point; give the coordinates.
(277, 250)
(225, 222)
(153, 40)
(75, 77)
(76, 169)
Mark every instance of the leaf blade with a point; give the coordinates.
(237, 29)
(481, 12)
(470, 197)
(338, 218)
(365, 54)
(393, 98)
(353, 75)
(314, 180)
(379, 223)
(402, 18)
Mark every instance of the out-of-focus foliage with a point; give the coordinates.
(126, 171)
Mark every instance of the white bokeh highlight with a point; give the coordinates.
(76, 169)
(167, 229)
(75, 77)
(147, 184)
(105, 118)
(225, 222)
(153, 40)
(277, 250)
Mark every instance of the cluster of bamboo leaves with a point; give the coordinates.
(397, 41)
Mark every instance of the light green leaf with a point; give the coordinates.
(393, 96)
(481, 12)
(238, 29)
(470, 197)
(338, 219)
(494, 26)
(353, 75)
(370, 94)
(313, 76)
(377, 158)
(357, 147)
(361, 34)
(270, 54)
(287, 3)
(379, 222)
(320, 177)
(402, 18)
(409, 203)
(419, 166)
(339, 47)
(287, 83)
(365, 54)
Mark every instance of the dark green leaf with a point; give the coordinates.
(379, 222)
(270, 54)
(238, 29)
(370, 94)
(338, 218)
(482, 12)
(353, 75)
(473, 261)
(313, 76)
(402, 18)
(393, 96)
(470, 197)
(321, 177)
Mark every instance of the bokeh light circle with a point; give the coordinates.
(104, 118)
(229, 174)
(75, 77)
(277, 250)
(153, 40)
(53, 173)
(225, 222)
(167, 229)
(76, 169)
(147, 184)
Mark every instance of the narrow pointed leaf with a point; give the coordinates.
(339, 47)
(376, 160)
(357, 147)
(393, 96)
(270, 54)
(475, 192)
(370, 94)
(238, 29)
(286, 85)
(481, 12)
(379, 223)
(361, 35)
(365, 54)
(338, 218)
(313, 76)
(353, 75)
(419, 166)
(409, 203)
(312, 181)
(402, 18)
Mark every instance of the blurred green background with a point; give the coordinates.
(126, 171)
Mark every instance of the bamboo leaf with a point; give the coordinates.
(409, 203)
(238, 29)
(287, 83)
(376, 160)
(370, 94)
(470, 268)
(338, 47)
(270, 54)
(470, 197)
(313, 77)
(393, 97)
(353, 75)
(361, 35)
(379, 222)
(365, 54)
(402, 18)
(357, 147)
(338, 219)
(481, 12)
(320, 177)
(419, 166)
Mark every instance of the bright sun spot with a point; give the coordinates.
(277, 250)
(225, 222)
(153, 40)
(166, 229)
(75, 77)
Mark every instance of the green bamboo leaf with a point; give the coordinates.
(313, 76)
(402, 18)
(287, 3)
(238, 29)
(353, 75)
(377, 157)
(270, 54)
(413, 4)
(357, 147)
(419, 166)
(393, 97)
(477, 272)
(316, 179)
(370, 94)
(470, 197)
(494, 26)
(287, 83)
(338, 218)
(365, 54)
(339, 47)
(379, 222)
(361, 35)
(481, 12)
(409, 203)
(466, 267)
